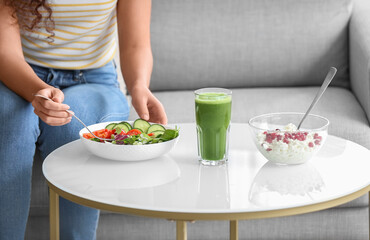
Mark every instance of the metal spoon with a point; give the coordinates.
(323, 87)
(74, 115)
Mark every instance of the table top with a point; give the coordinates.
(176, 186)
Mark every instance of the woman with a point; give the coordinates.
(63, 49)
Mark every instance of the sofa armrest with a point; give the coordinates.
(359, 40)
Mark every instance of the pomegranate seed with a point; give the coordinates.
(268, 149)
(310, 144)
(265, 132)
(273, 135)
(301, 136)
(298, 135)
(317, 142)
(288, 135)
(279, 137)
(269, 138)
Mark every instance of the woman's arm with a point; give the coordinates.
(133, 17)
(19, 77)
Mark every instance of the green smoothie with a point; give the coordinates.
(213, 113)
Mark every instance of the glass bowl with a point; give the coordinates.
(277, 138)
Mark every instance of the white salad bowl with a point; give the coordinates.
(125, 152)
(277, 138)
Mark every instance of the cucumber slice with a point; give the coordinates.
(141, 124)
(110, 126)
(156, 127)
(122, 127)
(127, 124)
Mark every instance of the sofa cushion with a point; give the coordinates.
(360, 51)
(347, 118)
(247, 43)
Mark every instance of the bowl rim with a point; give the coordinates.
(286, 113)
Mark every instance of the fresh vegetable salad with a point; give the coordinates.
(139, 133)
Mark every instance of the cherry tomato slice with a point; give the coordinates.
(133, 132)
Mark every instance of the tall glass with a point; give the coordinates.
(213, 113)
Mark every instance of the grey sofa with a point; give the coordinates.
(273, 55)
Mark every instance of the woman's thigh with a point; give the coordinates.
(19, 132)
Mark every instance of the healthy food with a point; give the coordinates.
(139, 133)
(213, 113)
(289, 145)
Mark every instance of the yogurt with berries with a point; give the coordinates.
(289, 145)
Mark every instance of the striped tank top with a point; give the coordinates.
(84, 36)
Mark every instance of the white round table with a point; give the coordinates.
(175, 186)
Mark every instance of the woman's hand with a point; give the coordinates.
(53, 113)
(147, 106)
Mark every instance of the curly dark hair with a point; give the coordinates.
(29, 16)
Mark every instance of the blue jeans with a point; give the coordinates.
(94, 96)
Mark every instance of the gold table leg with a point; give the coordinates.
(181, 231)
(234, 230)
(54, 214)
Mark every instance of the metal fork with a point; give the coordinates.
(74, 115)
